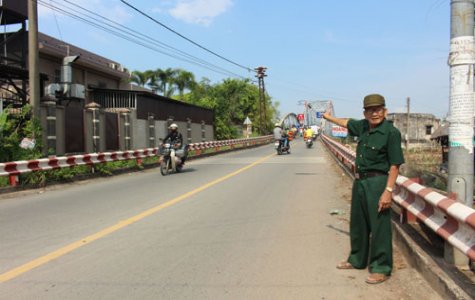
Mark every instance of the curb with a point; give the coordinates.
(427, 266)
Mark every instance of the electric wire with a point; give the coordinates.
(57, 25)
(138, 35)
(136, 40)
(306, 92)
(135, 33)
(139, 42)
(184, 37)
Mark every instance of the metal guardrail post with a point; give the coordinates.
(13, 180)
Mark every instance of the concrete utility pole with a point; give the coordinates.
(33, 58)
(261, 73)
(461, 61)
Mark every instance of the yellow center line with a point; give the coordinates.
(91, 238)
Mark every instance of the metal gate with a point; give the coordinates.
(112, 131)
(74, 129)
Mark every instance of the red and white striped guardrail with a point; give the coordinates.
(217, 144)
(452, 220)
(345, 155)
(13, 169)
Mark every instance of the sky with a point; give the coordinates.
(313, 49)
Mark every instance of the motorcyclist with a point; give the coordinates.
(277, 132)
(280, 135)
(176, 140)
(309, 133)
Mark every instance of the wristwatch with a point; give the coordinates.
(389, 189)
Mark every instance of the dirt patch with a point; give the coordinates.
(399, 261)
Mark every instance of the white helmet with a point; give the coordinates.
(173, 126)
(277, 124)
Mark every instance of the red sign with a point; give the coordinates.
(300, 117)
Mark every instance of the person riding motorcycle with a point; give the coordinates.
(176, 139)
(280, 135)
(290, 134)
(277, 132)
(309, 133)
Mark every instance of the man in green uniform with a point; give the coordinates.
(378, 157)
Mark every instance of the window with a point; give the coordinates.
(428, 129)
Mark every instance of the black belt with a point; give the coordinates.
(369, 174)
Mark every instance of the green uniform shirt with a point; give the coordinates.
(378, 148)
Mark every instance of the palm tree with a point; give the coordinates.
(153, 82)
(139, 78)
(164, 80)
(184, 80)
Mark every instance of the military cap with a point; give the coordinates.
(373, 100)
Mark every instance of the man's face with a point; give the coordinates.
(375, 115)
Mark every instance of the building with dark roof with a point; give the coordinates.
(112, 114)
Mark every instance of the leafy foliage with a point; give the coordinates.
(14, 126)
(232, 100)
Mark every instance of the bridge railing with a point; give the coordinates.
(451, 220)
(15, 168)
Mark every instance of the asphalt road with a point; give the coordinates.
(243, 225)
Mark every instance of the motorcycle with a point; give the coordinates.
(281, 148)
(309, 142)
(170, 159)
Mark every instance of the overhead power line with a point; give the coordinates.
(57, 25)
(138, 40)
(154, 41)
(134, 36)
(184, 37)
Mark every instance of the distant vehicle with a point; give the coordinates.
(309, 141)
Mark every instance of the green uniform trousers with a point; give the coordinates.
(370, 231)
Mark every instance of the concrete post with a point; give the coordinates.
(96, 138)
(203, 131)
(50, 127)
(461, 61)
(188, 130)
(33, 58)
(127, 131)
(151, 131)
